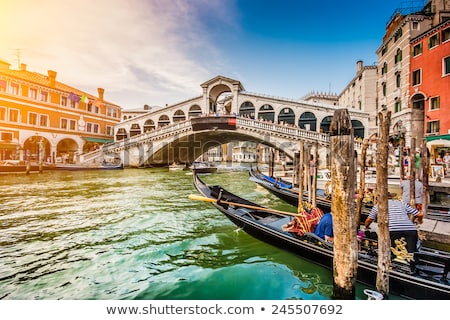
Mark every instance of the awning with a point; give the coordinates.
(438, 137)
(98, 140)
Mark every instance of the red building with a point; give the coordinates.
(430, 85)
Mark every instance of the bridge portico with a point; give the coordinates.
(226, 96)
(172, 134)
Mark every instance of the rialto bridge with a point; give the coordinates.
(225, 112)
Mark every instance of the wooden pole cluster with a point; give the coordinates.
(412, 173)
(345, 262)
(384, 242)
(425, 169)
(300, 207)
(314, 185)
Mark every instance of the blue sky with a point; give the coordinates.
(158, 52)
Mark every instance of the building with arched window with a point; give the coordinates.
(36, 108)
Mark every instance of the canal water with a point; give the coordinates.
(134, 234)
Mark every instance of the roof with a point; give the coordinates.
(43, 80)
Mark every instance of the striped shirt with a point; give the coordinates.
(398, 215)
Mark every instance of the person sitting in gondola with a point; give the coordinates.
(324, 229)
(305, 221)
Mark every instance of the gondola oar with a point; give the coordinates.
(205, 199)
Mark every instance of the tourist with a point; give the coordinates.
(400, 225)
(405, 186)
(324, 229)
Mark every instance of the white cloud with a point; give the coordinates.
(141, 52)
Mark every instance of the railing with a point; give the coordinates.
(289, 132)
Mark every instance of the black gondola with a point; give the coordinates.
(428, 278)
(284, 191)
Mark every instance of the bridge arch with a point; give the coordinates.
(194, 111)
(179, 116)
(163, 121)
(286, 116)
(135, 129)
(307, 121)
(325, 124)
(121, 134)
(247, 109)
(267, 113)
(149, 125)
(358, 129)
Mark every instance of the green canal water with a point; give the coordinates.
(134, 234)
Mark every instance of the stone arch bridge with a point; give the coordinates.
(185, 141)
(175, 133)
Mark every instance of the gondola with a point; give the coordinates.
(286, 192)
(426, 278)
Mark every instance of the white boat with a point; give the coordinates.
(177, 166)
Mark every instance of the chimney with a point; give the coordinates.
(359, 66)
(51, 78)
(101, 91)
(23, 67)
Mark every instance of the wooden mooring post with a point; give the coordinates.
(384, 241)
(345, 260)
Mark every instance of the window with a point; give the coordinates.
(416, 77)
(417, 49)
(415, 25)
(384, 69)
(6, 136)
(109, 130)
(14, 89)
(398, 35)
(73, 104)
(397, 80)
(384, 50)
(89, 107)
(44, 96)
(63, 123)
(88, 127)
(2, 113)
(96, 128)
(446, 66)
(72, 124)
(433, 126)
(398, 106)
(32, 118)
(445, 34)
(434, 103)
(43, 120)
(433, 41)
(384, 89)
(398, 56)
(64, 101)
(13, 115)
(32, 94)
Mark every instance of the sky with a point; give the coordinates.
(158, 52)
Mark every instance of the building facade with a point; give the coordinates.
(394, 70)
(361, 93)
(36, 110)
(430, 85)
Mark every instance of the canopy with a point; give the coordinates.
(98, 140)
(438, 137)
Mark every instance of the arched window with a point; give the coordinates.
(195, 111)
(135, 130)
(163, 121)
(308, 121)
(121, 134)
(149, 125)
(286, 116)
(266, 113)
(247, 109)
(358, 129)
(325, 124)
(179, 116)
